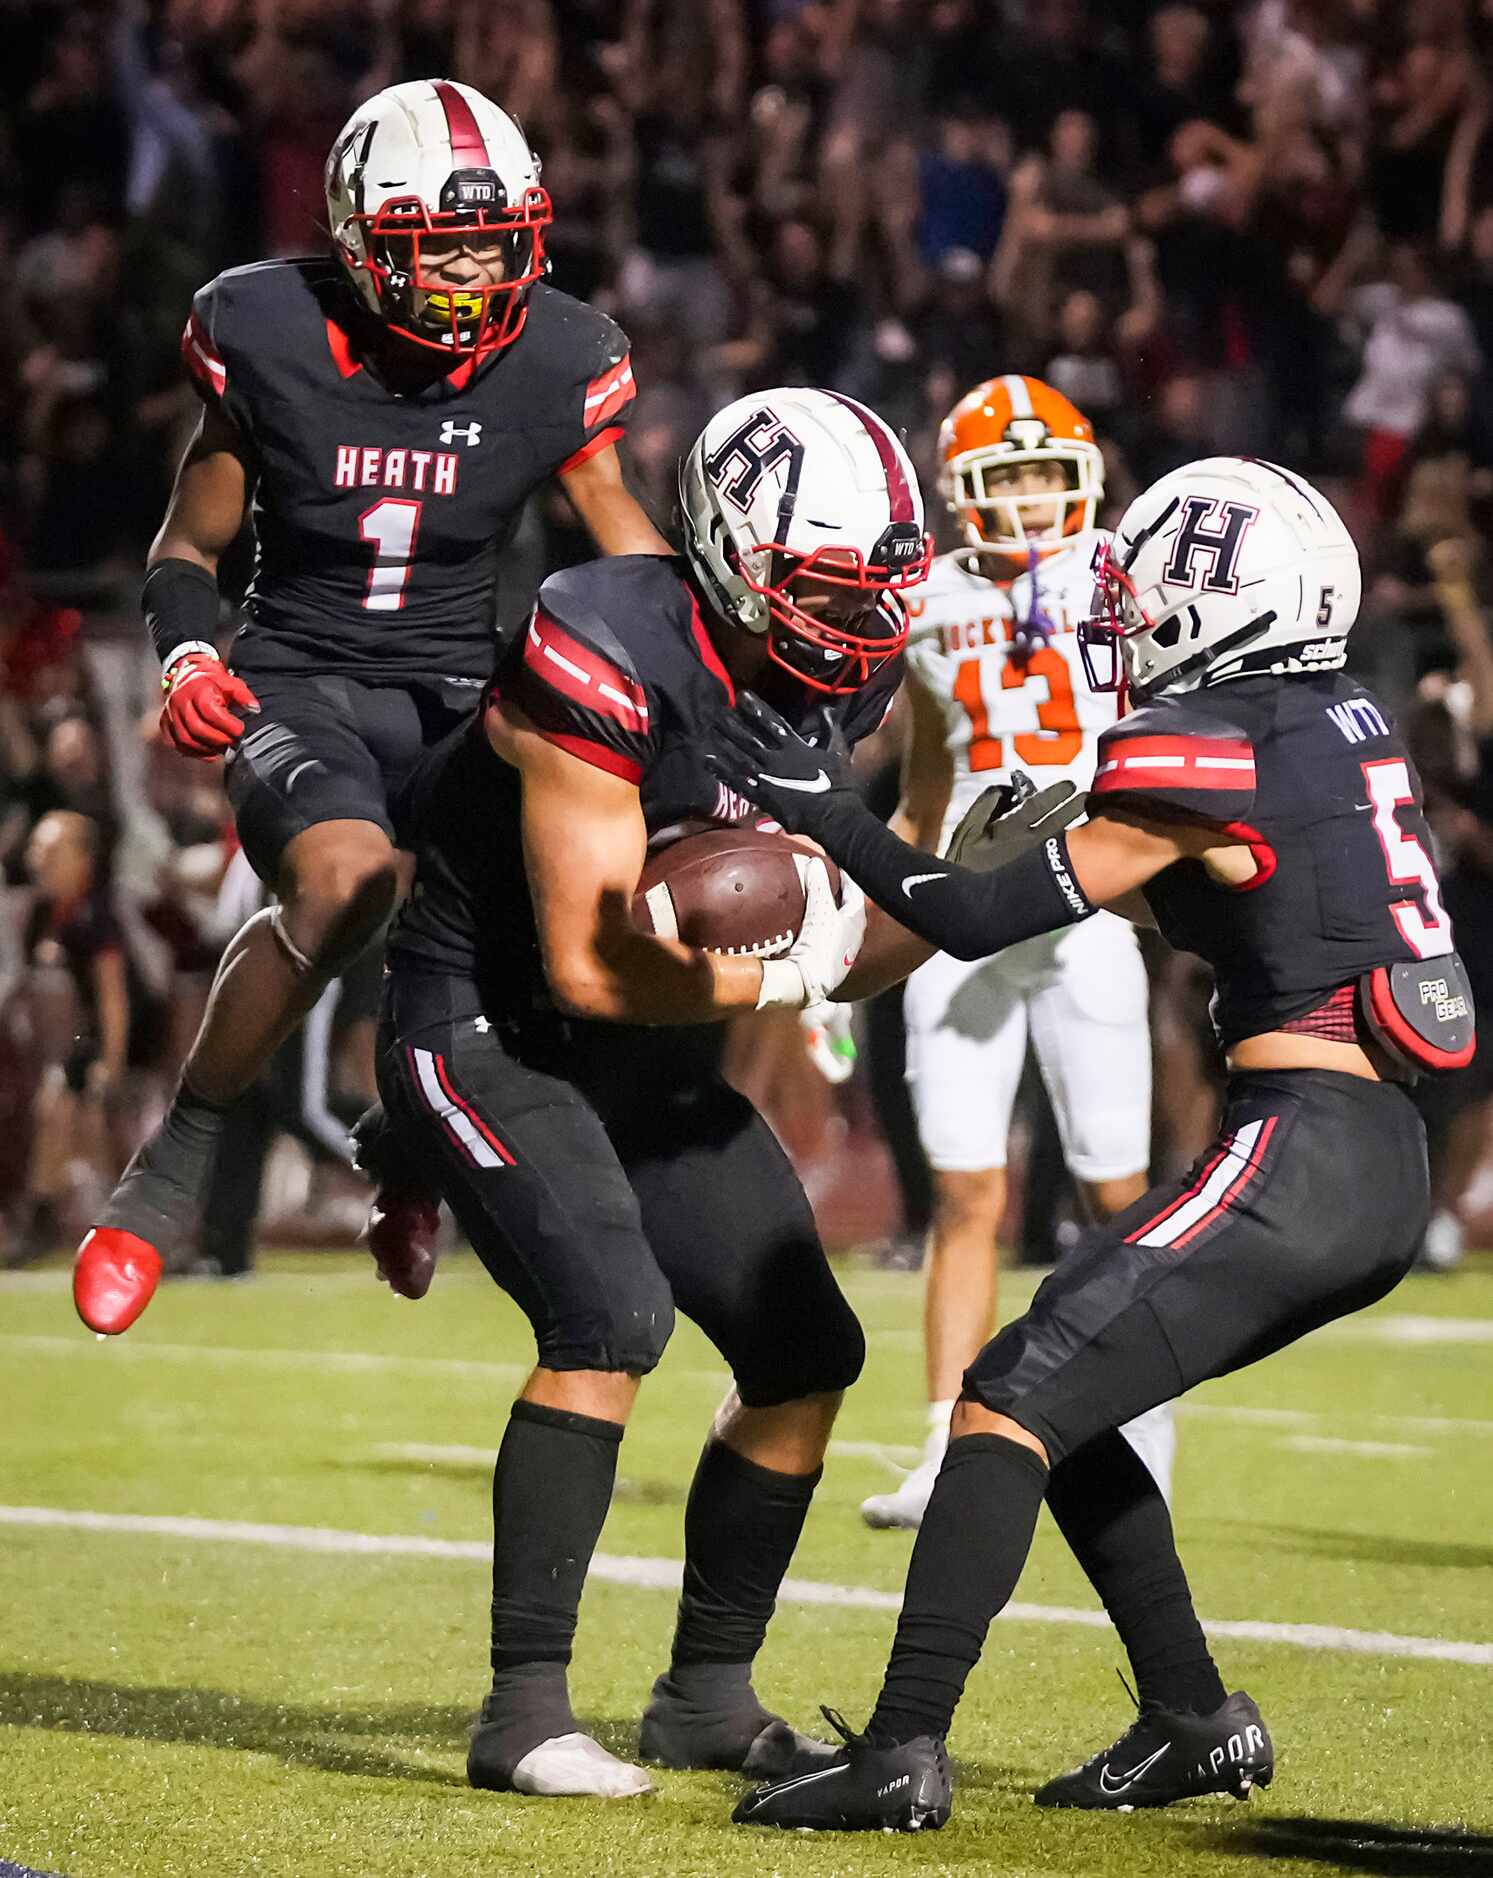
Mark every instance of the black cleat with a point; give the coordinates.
(735, 1734)
(1163, 1757)
(860, 1789)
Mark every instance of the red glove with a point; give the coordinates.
(196, 715)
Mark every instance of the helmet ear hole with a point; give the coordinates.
(1168, 632)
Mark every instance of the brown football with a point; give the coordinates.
(727, 889)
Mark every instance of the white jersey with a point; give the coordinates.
(1001, 712)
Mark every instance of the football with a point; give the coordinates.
(727, 889)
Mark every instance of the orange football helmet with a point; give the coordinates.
(1013, 420)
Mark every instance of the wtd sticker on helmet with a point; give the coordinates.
(900, 544)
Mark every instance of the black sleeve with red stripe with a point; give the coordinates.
(207, 355)
(602, 401)
(577, 685)
(1178, 760)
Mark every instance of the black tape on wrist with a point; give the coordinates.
(180, 602)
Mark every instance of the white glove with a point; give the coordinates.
(828, 941)
(830, 1041)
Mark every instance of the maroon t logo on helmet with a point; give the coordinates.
(1218, 543)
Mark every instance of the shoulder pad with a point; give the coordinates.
(568, 338)
(258, 304)
(201, 347)
(576, 675)
(582, 360)
(1179, 756)
(616, 602)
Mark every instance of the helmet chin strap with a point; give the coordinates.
(1234, 642)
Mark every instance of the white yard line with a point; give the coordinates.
(662, 1574)
(1407, 1329)
(368, 1362)
(889, 1452)
(438, 1454)
(1365, 1450)
(132, 1349)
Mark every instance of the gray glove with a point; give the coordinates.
(1010, 818)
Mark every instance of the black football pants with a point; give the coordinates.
(606, 1175)
(1311, 1203)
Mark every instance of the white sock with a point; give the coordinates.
(938, 1429)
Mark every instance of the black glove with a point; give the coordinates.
(1010, 818)
(761, 755)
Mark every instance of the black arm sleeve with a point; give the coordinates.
(967, 914)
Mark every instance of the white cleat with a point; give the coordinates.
(572, 1766)
(906, 1505)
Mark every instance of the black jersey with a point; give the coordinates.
(1311, 772)
(617, 668)
(380, 515)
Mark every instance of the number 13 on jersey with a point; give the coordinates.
(1058, 740)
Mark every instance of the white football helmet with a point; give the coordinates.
(416, 170)
(807, 487)
(1226, 568)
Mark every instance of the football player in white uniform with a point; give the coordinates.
(996, 684)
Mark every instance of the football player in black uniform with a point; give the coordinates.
(1261, 809)
(552, 1065)
(384, 411)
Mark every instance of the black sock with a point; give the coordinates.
(550, 1492)
(1114, 1518)
(740, 1529)
(161, 1192)
(969, 1553)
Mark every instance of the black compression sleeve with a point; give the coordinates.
(180, 604)
(967, 914)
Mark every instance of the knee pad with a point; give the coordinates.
(820, 1357)
(629, 1339)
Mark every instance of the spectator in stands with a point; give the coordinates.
(1414, 334)
(1460, 800)
(77, 988)
(1207, 222)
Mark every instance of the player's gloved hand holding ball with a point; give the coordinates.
(201, 698)
(759, 753)
(828, 943)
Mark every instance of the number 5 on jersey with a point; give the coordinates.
(390, 527)
(1428, 931)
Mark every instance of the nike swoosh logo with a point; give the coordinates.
(916, 880)
(1128, 1780)
(804, 1780)
(816, 787)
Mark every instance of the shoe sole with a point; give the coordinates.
(1240, 1789)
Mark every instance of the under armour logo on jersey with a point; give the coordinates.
(1218, 543)
(470, 434)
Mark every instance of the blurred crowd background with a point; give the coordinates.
(1252, 227)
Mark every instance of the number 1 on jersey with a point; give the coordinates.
(390, 526)
(1428, 934)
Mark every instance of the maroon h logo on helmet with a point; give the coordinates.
(1218, 542)
(752, 449)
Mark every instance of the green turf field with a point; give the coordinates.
(239, 1697)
